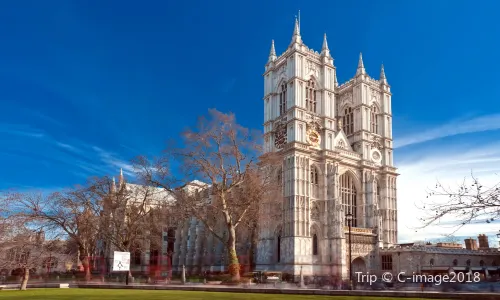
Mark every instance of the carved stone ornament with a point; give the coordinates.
(315, 213)
(345, 98)
(341, 144)
(311, 67)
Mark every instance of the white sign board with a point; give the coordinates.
(121, 261)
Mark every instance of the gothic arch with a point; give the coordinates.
(315, 228)
(376, 104)
(317, 83)
(344, 107)
(355, 178)
(350, 197)
(318, 169)
(282, 80)
(358, 265)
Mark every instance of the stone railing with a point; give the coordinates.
(348, 153)
(359, 230)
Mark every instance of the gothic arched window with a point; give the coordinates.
(348, 121)
(455, 262)
(348, 195)
(283, 99)
(374, 119)
(468, 263)
(431, 262)
(314, 182)
(377, 192)
(481, 263)
(315, 244)
(278, 248)
(311, 96)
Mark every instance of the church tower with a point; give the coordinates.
(336, 145)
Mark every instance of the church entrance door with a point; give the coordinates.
(358, 265)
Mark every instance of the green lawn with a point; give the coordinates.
(103, 294)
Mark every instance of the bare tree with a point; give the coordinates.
(467, 203)
(225, 156)
(131, 216)
(61, 213)
(25, 249)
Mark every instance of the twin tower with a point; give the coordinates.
(337, 149)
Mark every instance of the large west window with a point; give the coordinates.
(348, 194)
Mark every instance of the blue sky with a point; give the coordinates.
(87, 85)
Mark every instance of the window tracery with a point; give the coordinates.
(374, 119)
(283, 99)
(348, 194)
(311, 96)
(348, 121)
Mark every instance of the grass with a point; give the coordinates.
(103, 294)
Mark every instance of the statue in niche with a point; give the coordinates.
(315, 213)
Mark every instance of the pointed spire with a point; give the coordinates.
(272, 53)
(324, 49)
(296, 33)
(361, 66)
(121, 180)
(113, 185)
(335, 75)
(383, 79)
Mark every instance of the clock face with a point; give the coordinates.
(313, 138)
(376, 156)
(280, 138)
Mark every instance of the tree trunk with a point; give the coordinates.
(253, 248)
(234, 264)
(84, 258)
(24, 282)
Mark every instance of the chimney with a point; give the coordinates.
(483, 241)
(470, 244)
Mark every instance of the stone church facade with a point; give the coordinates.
(337, 150)
(337, 159)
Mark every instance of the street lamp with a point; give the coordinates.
(348, 218)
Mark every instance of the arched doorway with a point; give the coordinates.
(358, 265)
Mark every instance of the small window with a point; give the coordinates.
(481, 263)
(431, 262)
(455, 262)
(315, 244)
(386, 262)
(468, 263)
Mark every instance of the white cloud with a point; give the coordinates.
(113, 161)
(478, 124)
(450, 167)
